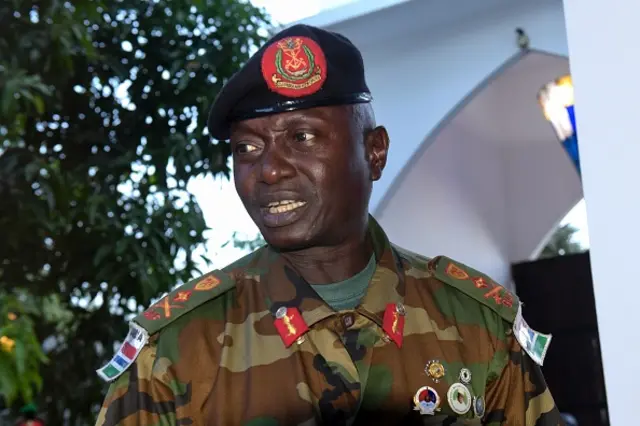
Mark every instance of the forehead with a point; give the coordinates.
(331, 116)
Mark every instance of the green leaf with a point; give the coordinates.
(101, 254)
(38, 102)
(21, 357)
(183, 82)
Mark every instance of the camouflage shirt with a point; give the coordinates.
(432, 342)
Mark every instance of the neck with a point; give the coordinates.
(326, 265)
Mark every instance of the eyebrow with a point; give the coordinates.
(284, 122)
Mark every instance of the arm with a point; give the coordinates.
(519, 396)
(142, 397)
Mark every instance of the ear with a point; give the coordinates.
(377, 143)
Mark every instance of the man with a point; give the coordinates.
(329, 323)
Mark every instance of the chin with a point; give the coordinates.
(288, 238)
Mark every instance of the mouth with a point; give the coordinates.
(281, 213)
(284, 206)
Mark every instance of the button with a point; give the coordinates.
(281, 312)
(400, 309)
(348, 320)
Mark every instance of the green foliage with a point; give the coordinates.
(248, 244)
(20, 351)
(102, 119)
(562, 243)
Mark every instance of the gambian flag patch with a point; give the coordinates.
(126, 355)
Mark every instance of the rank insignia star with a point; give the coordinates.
(182, 296)
(480, 282)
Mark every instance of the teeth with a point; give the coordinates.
(278, 203)
(284, 206)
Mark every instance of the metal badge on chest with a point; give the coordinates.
(459, 396)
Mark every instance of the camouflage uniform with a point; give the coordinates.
(220, 352)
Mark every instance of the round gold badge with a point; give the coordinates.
(435, 370)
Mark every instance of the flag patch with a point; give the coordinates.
(534, 343)
(126, 354)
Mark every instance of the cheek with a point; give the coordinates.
(336, 181)
(243, 181)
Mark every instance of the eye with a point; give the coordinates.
(303, 136)
(245, 148)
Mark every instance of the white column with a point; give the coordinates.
(604, 54)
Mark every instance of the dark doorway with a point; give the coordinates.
(558, 298)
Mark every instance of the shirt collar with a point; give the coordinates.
(284, 287)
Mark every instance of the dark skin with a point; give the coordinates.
(305, 178)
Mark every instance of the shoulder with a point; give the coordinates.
(479, 287)
(190, 296)
(458, 277)
(182, 301)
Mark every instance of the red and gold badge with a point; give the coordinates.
(456, 272)
(393, 322)
(152, 315)
(290, 325)
(294, 67)
(480, 282)
(208, 283)
(182, 296)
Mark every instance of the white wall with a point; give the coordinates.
(455, 173)
(605, 60)
(542, 187)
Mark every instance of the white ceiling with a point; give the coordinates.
(506, 180)
(505, 109)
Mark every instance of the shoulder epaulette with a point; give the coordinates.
(497, 298)
(476, 285)
(184, 299)
(180, 301)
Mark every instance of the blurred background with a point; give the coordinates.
(112, 193)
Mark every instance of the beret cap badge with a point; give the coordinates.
(294, 66)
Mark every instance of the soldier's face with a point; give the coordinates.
(305, 176)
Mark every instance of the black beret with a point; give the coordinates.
(300, 67)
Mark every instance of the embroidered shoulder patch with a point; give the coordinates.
(476, 285)
(184, 299)
(162, 313)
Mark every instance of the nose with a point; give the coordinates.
(275, 166)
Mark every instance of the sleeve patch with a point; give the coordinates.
(129, 350)
(534, 343)
(162, 313)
